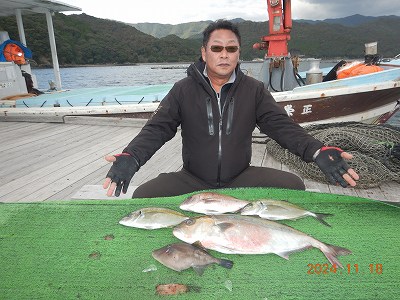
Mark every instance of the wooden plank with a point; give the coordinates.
(57, 160)
(160, 162)
(50, 152)
(258, 154)
(91, 192)
(96, 177)
(64, 181)
(371, 193)
(48, 146)
(342, 191)
(391, 191)
(314, 186)
(48, 186)
(6, 127)
(109, 121)
(270, 162)
(51, 130)
(44, 176)
(8, 136)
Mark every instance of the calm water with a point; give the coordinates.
(81, 77)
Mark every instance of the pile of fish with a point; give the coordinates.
(232, 226)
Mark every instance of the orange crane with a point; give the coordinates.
(280, 25)
(279, 70)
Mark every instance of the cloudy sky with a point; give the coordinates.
(183, 11)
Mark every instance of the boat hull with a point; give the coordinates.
(358, 107)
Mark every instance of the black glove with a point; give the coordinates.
(331, 163)
(122, 172)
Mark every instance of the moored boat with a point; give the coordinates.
(371, 97)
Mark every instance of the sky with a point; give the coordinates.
(183, 11)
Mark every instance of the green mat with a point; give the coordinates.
(77, 250)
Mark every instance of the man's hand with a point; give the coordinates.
(331, 162)
(120, 175)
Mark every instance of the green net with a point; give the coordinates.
(373, 148)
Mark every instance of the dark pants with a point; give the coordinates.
(182, 182)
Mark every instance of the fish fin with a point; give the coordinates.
(241, 209)
(198, 244)
(199, 269)
(284, 255)
(332, 252)
(320, 217)
(226, 263)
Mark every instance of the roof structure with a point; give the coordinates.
(9, 7)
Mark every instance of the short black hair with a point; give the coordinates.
(220, 24)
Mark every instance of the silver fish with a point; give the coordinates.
(212, 203)
(181, 256)
(153, 218)
(280, 210)
(237, 234)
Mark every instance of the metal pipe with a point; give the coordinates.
(20, 26)
(53, 48)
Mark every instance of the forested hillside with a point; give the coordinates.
(83, 39)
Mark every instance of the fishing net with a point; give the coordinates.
(375, 149)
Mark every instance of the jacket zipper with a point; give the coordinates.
(210, 116)
(211, 125)
(221, 113)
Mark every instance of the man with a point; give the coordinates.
(218, 107)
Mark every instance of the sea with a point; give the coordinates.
(145, 74)
(135, 75)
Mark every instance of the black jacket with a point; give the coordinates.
(217, 147)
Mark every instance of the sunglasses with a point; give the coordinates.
(230, 49)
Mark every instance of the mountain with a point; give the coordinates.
(83, 39)
(184, 30)
(351, 21)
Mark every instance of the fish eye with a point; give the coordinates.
(189, 222)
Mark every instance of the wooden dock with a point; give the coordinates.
(63, 161)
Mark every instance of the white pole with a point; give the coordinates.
(52, 39)
(20, 25)
(22, 38)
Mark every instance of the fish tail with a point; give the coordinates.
(331, 252)
(321, 217)
(226, 263)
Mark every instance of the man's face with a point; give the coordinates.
(221, 64)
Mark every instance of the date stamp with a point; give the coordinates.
(325, 269)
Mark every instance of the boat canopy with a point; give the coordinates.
(9, 7)
(20, 7)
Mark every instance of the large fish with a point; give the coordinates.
(212, 203)
(181, 256)
(237, 234)
(280, 210)
(153, 218)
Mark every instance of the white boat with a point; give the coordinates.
(366, 98)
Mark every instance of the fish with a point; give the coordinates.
(237, 234)
(153, 218)
(280, 210)
(210, 203)
(182, 256)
